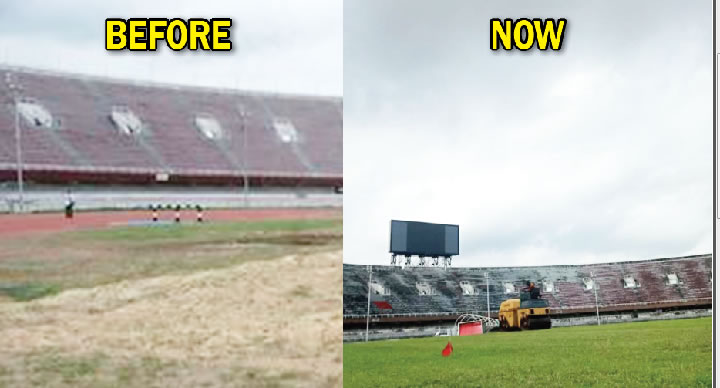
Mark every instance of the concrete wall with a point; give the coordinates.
(398, 333)
(88, 197)
(627, 317)
(416, 331)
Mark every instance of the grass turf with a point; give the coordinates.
(639, 354)
(39, 265)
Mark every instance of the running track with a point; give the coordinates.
(18, 224)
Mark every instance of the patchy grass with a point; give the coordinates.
(644, 354)
(29, 291)
(66, 368)
(303, 291)
(35, 266)
(99, 370)
(208, 232)
(53, 368)
(174, 306)
(198, 330)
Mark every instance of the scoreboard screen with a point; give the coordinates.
(424, 238)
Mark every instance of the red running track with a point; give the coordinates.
(17, 224)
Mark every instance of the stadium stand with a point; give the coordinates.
(421, 293)
(84, 130)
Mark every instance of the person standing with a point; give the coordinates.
(199, 213)
(69, 204)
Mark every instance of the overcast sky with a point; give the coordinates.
(278, 45)
(600, 152)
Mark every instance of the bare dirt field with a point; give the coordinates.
(254, 304)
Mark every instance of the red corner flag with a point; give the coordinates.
(448, 350)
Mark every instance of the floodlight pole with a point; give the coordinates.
(597, 308)
(367, 321)
(243, 115)
(18, 152)
(18, 143)
(487, 292)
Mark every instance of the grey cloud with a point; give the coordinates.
(600, 152)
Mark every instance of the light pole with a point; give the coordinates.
(487, 292)
(367, 321)
(243, 116)
(597, 308)
(18, 142)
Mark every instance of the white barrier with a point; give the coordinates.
(53, 198)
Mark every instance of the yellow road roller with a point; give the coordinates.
(527, 313)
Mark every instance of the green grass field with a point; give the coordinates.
(640, 354)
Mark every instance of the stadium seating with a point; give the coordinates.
(83, 135)
(653, 285)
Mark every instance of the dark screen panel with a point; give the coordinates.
(452, 239)
(398, 236)
(426, 239)
(423, 239)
